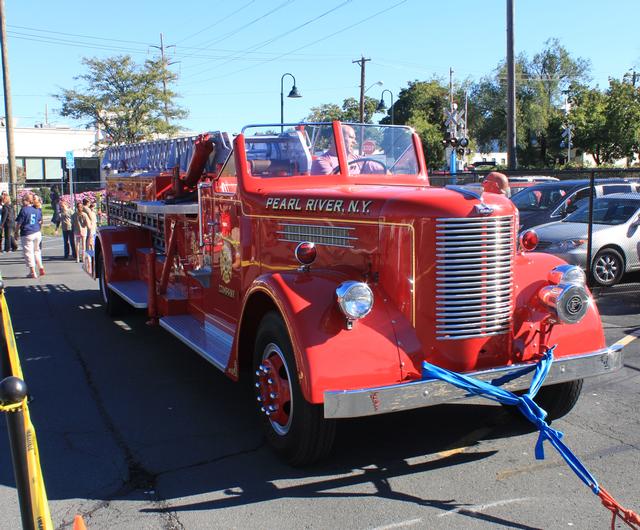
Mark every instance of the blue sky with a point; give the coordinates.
(230, 56)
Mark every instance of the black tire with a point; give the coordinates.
(608, 267)
(113, 304)
(557, 400)
(295, 429)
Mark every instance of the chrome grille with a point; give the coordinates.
(474, 277)
(320, 235)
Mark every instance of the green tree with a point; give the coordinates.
(126, 101)
(421, 105)
(623, 117)
(350, 111)
(589, 116)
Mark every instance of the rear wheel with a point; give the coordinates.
(295, 429)
(608, 267)
(113, 304)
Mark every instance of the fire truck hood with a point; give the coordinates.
(392, 203)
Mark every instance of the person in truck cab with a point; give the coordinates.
(327, 163)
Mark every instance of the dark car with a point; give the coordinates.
(546, 202)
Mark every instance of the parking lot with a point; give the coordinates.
(135, 430)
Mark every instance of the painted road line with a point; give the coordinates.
(401, 524)
(627, 339)
(479, 508)
(465, 442)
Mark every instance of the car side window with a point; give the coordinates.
(616, 188)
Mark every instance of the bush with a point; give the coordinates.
(45, 194)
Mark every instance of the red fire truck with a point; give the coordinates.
(328, 274)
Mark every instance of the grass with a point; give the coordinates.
(48, 229)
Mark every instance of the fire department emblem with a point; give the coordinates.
(226, 262)
(483, 209)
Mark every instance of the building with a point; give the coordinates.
(40, 156)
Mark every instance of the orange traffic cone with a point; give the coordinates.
(78, 523)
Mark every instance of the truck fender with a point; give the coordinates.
(328, 355)
(530, 275)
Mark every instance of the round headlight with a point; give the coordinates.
(355, 299)
(568, 303)
(567, 274)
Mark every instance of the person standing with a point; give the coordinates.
(80, 221)
(66, 223)
(8, 223)
(29, 224)
(55, 206)
(93, 223)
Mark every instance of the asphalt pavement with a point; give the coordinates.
(137, 431)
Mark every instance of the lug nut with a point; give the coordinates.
(259, 398)
(258, 373)
(273, 395)
(269, 381)
(268, 413)
(272, 408)
(262, 409)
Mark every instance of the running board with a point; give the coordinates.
(208, 340)
(134, 292)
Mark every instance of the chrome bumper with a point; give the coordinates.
(416, 394)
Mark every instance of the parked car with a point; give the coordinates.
(552, 201)
(615, 237)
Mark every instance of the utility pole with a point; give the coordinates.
(512, 162)
(362, 61)
(165, 65)
(8, 112)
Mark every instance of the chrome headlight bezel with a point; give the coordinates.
(568, 303)
(355, 299)
(567, 275)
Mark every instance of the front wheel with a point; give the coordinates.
(608, 267)
(557, 400)
(113, 304)
(295, 428)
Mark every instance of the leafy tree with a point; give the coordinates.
(540, 86)
(421, 105)
(589, 116)
(350, 111)
(623, 118)
(124, 100)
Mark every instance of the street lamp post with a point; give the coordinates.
(382, 107)
(292, 94)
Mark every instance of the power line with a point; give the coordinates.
(264, 43)
(218, 22)
(309, 44)
(245, 26)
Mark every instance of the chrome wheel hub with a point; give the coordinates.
(273, 388)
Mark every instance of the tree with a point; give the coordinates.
(421, 105)
(124, 100)
(588, 115)
(623, 118)
(540, 87)
(350, 111)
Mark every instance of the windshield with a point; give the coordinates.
(605, 212)
(539, 198)
(311, 149)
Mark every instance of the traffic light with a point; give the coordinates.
(463, 142)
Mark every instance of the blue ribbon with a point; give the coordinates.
(524, 404)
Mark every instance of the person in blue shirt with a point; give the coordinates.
(29, 225)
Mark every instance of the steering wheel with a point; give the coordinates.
(362, 161)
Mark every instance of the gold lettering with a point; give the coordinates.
(365, 206)
(330, 205)
(353, 206)
(339, 207)
(269, 202)
(225, 291)
(311, 203)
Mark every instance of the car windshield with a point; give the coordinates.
(311, 149)
(605, 211)
(539, 197)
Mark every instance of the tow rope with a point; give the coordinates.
(536, 415)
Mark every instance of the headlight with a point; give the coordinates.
(567, 274)
(567, 245)
(355, 299)
(567, 303)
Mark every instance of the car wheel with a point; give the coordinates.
(556, 400)
(113, 304)
(608, 267)
(295, 428)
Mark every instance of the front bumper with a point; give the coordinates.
(416, 394)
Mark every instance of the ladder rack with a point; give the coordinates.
(164, 155)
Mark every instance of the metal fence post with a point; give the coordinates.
(592, 192)
(12, 391)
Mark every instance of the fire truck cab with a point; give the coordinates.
(316, 259)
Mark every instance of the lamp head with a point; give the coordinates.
(294, 93)
(381, 106)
